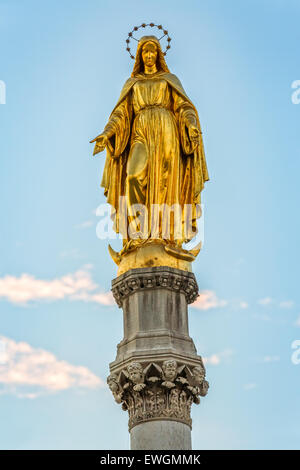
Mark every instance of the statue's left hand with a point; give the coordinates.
(194, 134)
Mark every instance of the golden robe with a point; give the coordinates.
(150, 157)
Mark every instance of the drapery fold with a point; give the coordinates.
(123, 128)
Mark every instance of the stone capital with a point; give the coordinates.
(161, 277)
(159, 390)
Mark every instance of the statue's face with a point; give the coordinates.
(169, 369)
(149, 54)
(198, 374)
(135, 374)
(112, 383)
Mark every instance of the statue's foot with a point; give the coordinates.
(180, 253)
(128, 247)
(173, 250)
(195, 251)
(115, 255)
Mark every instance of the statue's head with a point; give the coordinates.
(112, 382)
(170, 369)
(199, 374)
(135, 371)
(149, 52)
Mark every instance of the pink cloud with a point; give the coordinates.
(208, 299)
(216, 358)
(29, 372)
(74, 286)
(244, 304)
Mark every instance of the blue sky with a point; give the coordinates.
(64, 64)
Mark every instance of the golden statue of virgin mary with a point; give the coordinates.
(155, 166)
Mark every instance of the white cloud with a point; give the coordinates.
(208, 299)
(265, 301)
(244, 305)
(286, 304)
(263, 316)
(103, 298)
(271, 359)
(72, 253)
(283, 304)
(29, 372)
(85, 224)
(250, 386)
(217, 358)
(74, 286)
(297, 322)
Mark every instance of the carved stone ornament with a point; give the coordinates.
(159, 277)
(158, 390)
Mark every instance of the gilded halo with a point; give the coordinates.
(144, 25)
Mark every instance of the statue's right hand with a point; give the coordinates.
(101, 143)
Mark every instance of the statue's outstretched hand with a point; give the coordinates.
(101, 143)
(194, 134)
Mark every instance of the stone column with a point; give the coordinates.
(157, 374)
